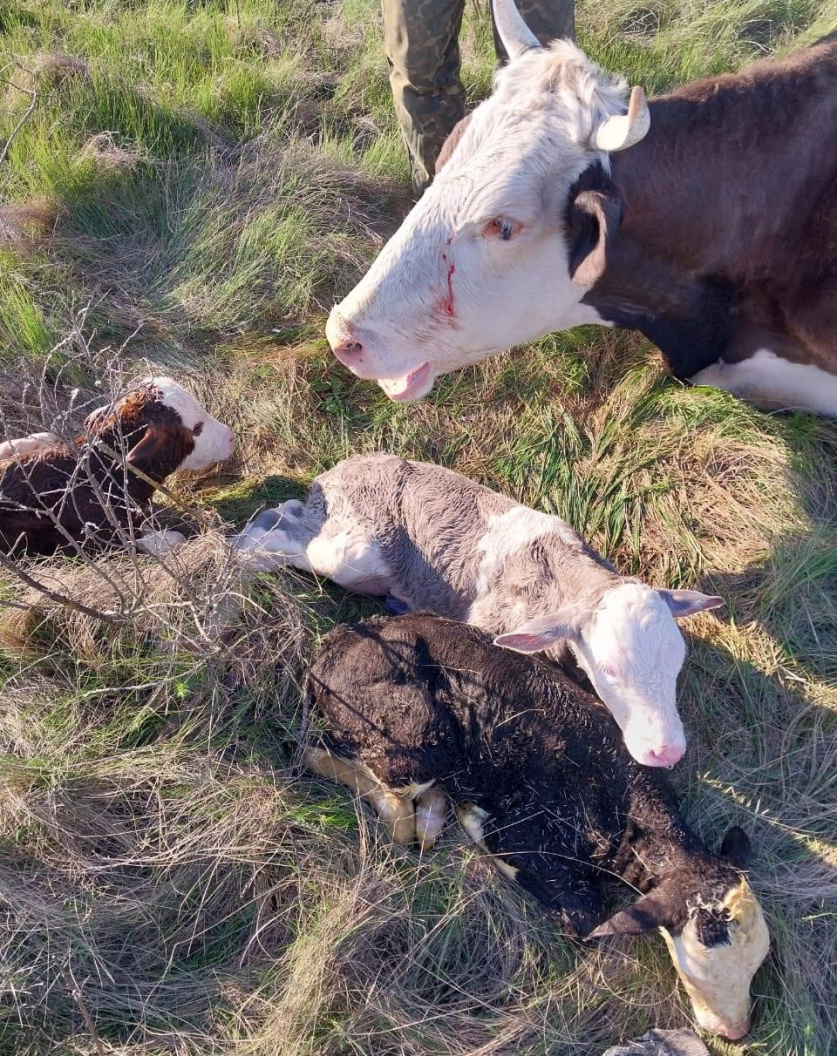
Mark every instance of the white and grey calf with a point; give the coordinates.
(430, 539)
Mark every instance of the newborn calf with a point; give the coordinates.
(55, 496)
(434, 540)
(418, 708)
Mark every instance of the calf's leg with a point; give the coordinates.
(396, 812)
(431, 807)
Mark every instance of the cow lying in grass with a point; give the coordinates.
(435, 540)
(56, 496)
(417, 709)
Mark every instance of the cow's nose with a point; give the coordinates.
(349, 351)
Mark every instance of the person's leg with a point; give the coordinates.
(422, 45)
(548, 19)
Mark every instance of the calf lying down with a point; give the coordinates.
(57, 496)
(434, 540)
(417, 709)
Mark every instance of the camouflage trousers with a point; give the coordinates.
(422, 45)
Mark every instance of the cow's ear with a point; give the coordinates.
(544, 631)
(687, 602)
(594, 213)
(736, 848)
(452, 142)
(650, 912)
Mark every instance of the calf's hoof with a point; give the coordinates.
(161, 543)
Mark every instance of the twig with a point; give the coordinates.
(61, 599)
(193, 511)
(33, 94)
(75, 993)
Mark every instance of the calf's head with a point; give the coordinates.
(632, 652)
(163, 428)
(514, 230)
(715, 931)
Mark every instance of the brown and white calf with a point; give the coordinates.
(418, 710)
(432, 539)
(706, 219)
(56, 496)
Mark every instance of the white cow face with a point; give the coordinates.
(632, 652)
(717, 936)
(504, 244)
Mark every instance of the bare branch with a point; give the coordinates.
(61, 599)
(27, 113)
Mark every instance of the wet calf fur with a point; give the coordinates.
(417, 709)
(433, 540)
(56, 496)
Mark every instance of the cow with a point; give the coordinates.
(432, 539)
(418, 710)
(706, 219)
(58, 495)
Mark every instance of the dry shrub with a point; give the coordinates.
(57, 67)
(106, 153)
(27, 223)
(192, 612)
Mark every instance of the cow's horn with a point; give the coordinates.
(513, 31)
(622, 131)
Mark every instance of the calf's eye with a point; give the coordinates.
(197, 429)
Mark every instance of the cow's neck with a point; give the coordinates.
(704, 239)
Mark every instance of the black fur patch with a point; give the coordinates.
(713, 926)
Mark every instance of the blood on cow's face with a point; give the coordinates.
(483, 261)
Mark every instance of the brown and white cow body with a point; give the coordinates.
(706, 219)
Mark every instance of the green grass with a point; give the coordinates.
(196, 184)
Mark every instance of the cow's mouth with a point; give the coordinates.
(411, 386)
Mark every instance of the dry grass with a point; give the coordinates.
(195, 185)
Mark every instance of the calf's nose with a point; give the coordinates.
(665, 755)
(735, 1033)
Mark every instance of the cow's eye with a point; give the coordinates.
(500, 228)
(197, 429)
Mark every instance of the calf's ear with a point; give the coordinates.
(688, 602)
(736, 848)
(648, 913)
(594, 213)
(543, 632)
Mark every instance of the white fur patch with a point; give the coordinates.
(28, 445)
(777, 383)
(352, 559)
(214, 443)
(632, 653)
(717, 978)
(506, 534)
